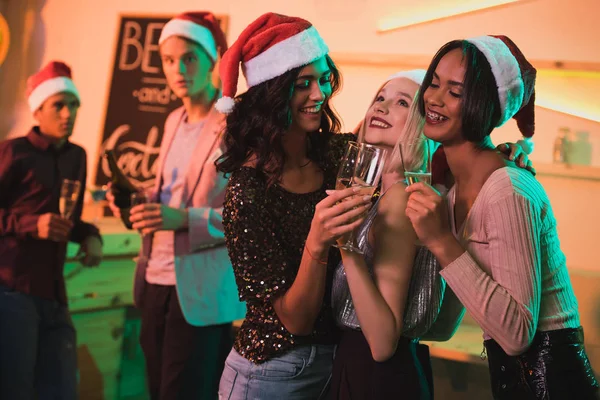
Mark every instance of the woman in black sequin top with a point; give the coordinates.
(282, 155)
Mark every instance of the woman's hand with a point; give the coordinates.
(514, 152)
(335, 216)
(428, 213)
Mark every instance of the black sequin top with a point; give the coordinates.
(265, 231)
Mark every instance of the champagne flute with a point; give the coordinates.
(415, 157)
(346, 170)
(367, 173)
(416, 161)
(69, 192)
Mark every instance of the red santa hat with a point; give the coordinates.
(515, 78)
(54, 78)
(201, 27)
(269, 47)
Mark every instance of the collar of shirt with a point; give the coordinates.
(40, 142)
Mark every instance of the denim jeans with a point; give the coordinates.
(38, 353)
(300, 374)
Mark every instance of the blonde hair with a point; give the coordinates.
(412, 132)
(412, 157)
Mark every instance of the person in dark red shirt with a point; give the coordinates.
(37, 338)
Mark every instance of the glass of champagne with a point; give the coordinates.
(368, 167)
(416, 161)
(346, 170)
(69, 192)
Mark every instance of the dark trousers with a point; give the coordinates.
(38, 353)
(356, 376)
(554, 367)
(425, 361)
(182, 361)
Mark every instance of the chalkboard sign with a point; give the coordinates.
(139, 100)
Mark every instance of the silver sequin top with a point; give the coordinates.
(341, 299)
(425, 292)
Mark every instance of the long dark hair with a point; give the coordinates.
(480, 102)
(262, 116)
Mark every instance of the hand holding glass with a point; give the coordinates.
(415, 158)
(69, 192)
(368, 162)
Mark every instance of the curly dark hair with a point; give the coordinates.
(261, 117)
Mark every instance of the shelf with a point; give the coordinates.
(583, 172)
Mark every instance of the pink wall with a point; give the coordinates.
(84, 32)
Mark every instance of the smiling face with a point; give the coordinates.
(385, 119)
(312, 90)
(187, 66)
(443, 98)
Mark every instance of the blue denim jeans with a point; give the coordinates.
(300, 374)
(38, 353)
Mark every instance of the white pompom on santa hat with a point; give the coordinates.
(515, 78)
(201, 27)
(54, 78)
(269, 47)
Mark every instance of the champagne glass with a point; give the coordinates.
(367, 173)
(69, 192)
(346, 170)
(416, 161)
(415, 157)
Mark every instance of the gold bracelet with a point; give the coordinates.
(315, 259)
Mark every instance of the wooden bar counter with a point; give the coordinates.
(111, 363)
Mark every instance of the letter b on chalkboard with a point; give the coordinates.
(136, 51)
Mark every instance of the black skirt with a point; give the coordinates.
(555, 367)
(356, 376)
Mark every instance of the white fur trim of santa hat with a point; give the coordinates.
(415, 75)
(49, 88)
(268, 47)
(296, 51)
(192, 31)
(507, 73)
